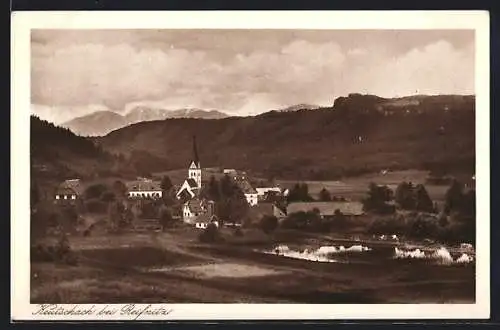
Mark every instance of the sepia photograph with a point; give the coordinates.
(251, 166)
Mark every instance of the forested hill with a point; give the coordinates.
(57, 152)
(360, 133)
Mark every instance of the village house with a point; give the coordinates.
(328, 209)
(247, 189)
(270, 209)
(192, 185)
(199, 212)
(144, 188)
(69, 190)
(230, 171)
(263, 192)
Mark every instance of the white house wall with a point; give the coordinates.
(150, 193)
(251, 199)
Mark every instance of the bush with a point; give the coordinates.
(96, 206)
(60, 252)
(95, 191)
(268, 223)
(108, 196)
(238, 232)
(210, 234)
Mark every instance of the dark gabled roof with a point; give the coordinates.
(68, 187)
(264, 208)
(245, 186)
(205, 218)
(327, 208)
(192, 183)
(143, 185)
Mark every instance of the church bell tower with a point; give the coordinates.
(194, 171)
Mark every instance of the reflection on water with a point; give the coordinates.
(440, 255)
(322, 254)
(360, 253)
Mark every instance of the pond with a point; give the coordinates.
(372, 253)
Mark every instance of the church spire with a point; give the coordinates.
(196, 160)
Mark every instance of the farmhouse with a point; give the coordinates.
(69, 190)
(328, 209)
(192, 185)
(249, 192)
(144, 188)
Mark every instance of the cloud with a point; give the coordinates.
(437, 68)
(61, 114)
(75, 78)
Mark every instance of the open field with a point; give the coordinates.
(355, 188)
(173, 267)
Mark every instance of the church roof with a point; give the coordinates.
(192, 183)
(196, 159)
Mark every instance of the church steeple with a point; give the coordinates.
(196, 159)
(194, 171)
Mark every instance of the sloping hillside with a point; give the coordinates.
(56, 152)
(360, 133)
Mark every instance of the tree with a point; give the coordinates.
(453, 197)
(213, 189)
(166, 219)
(119, 188)
(377, 199)
(324, 195)
(95, 191)
(405, 197)
(468, 206)
(166, 183)
(299, 193)
(209, 234)
(268, 223)
(115, 215)
(108, 196)
(423, 201)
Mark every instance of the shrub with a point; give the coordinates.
(96, 206)
(108, 196)
(60, 252)
(95, 191)
(268, 223)
(209, 234)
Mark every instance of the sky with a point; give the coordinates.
(240, 72)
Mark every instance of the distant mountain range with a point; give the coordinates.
(358, 134)
(102, 122)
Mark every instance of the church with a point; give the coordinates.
(192, 185)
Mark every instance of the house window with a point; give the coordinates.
(65, 197)
(57, 196)
(73, 196)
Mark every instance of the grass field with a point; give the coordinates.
(173, 267)
(355, 188)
